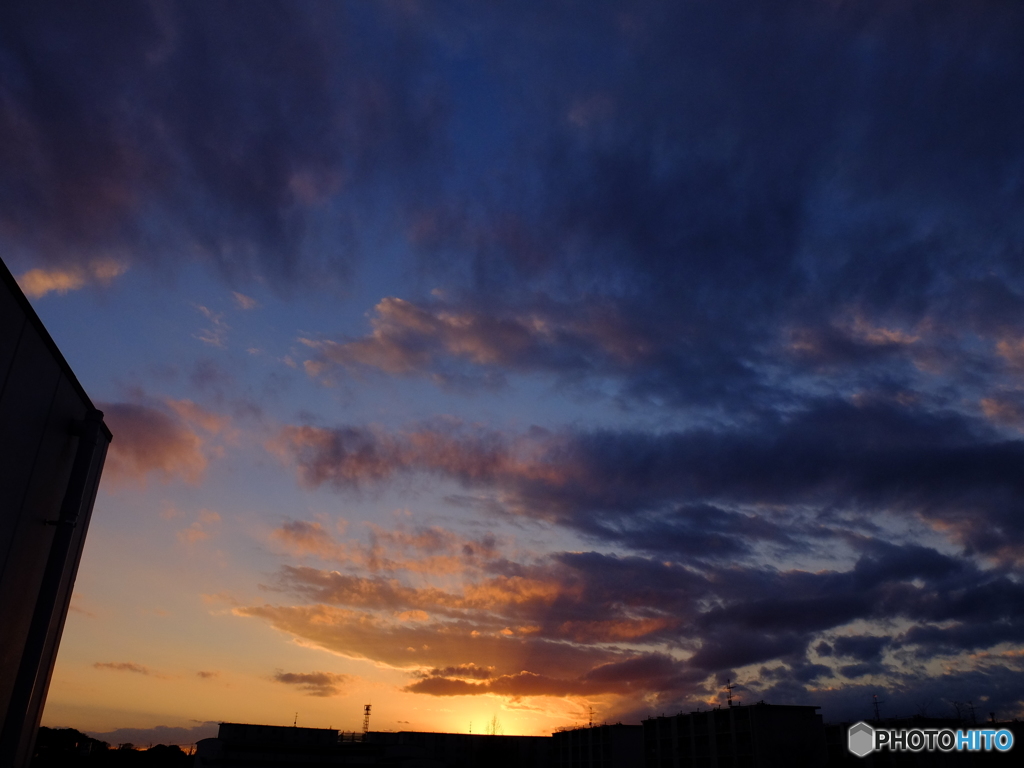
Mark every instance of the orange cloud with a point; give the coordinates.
(500, 593)
(1011, 349)
(427, 551)
(149, 441)
(852, 336)
(200, 529)
(1004, 409)
(405, 645)
(867, 332)
(408, 338)
(304, 538)
(243, 301)
(192, 534)
(415, 615)
(542, 621)
(191, 413)
(39, 282)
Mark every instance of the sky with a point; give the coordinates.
(513, 360)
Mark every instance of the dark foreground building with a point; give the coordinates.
(266, 746)
(52, 446)
(598, 746)
(754, 736)
(462, 750)
(240, 745)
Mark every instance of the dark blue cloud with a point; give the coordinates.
(648, 489)
(862, 647)
(764, 203)
(173, 131)
(706, 519)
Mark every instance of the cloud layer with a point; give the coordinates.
(235, 138)
(657, 491)
(907, 515)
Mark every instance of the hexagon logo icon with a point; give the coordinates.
(861, 739)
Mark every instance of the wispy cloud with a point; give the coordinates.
(216, 335)
(422, 549)
(448, 342)
(123, 666)
(321, 684)
(201, 529)
(192, 413)
(244, 302)
(38, 282)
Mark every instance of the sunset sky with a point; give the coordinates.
(484, 360)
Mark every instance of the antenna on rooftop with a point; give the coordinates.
(366, 718)
(729, 686)
(875, 703)
(295, 722)
(591, 723)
